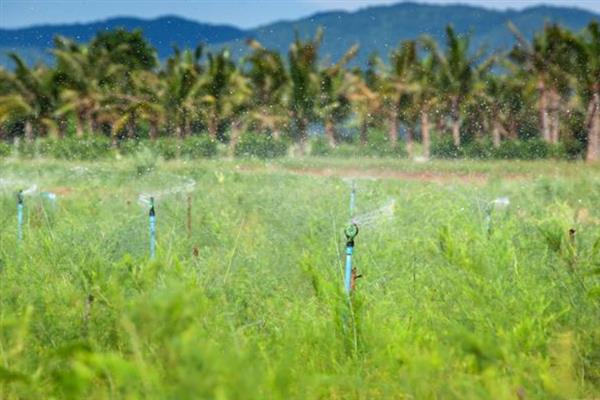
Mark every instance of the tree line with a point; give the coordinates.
(546, 88)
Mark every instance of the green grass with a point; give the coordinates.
(444, 310)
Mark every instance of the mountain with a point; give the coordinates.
(375, 29)
(164, 32)
(379, 29)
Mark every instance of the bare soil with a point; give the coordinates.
(479, 178)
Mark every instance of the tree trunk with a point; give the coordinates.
(455, 122)
(131, 127)
(95, 125)
(512, 133)
(330, 132)
(28, 131)
(62, 127)
(113, 136)
(303, 136)
(393, 128)
(554, 116)
(439, 126)
(363, 132)
(236, 128)
(79, 126)
(496, 133)
(153, 132)
(410, 141)
(544, 111)
(187, 128)
(179, 136)
(213, 127)
(89, 124)
(425, 133)
(593, 146)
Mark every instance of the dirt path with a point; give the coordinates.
(478, 178)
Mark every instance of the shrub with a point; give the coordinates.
(89, 148)
(573, 149)
(534, 148)
(531, 149)
(523, 150)
(378, 145)
(478, 149)
(320, 147)
(166, 148)
(444, 148)
(260, 146)
(129, 147)
(26, 149)
(199, 147)
(5, 149)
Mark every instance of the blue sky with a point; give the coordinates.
(242, 13)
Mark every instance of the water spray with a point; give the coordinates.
(351, 232)
(187, 187)
(152, 218)
(500, 203)
(377, 216)
(51, 197)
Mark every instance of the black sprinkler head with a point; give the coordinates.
(351, 231)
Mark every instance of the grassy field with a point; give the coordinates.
(249, 303)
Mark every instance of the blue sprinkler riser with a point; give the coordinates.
(348, 272)
(20, 221)
(152, 236)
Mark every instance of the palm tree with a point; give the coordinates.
(303, 58)
(587, 71)
(143, 105)
(14, 108)
(121, 47)
(181, 76)
(333, 104)
(268, 80)
(397, 84)
(424, 78)
(30, 99)
(78, 80)
(457, 74)
(221, 93)
(365, 97)
(544, 59)
(491, 95)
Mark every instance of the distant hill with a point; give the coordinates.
(33, 43)
(379, 29)
(376, 29)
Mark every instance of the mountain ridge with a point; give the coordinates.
(374, 28)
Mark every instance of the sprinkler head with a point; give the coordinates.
(351, 231)
(20, 197)
(152, 213)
